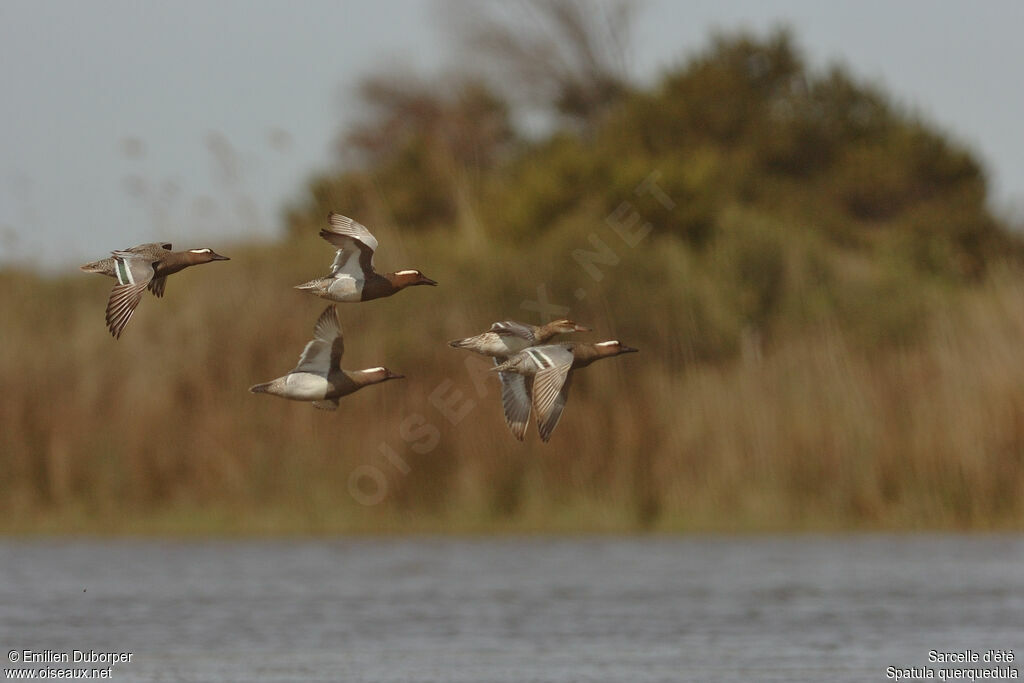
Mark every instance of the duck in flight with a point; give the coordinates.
(140, 268)
(508, 338)
(547, 373)
(352, 277)
(318, 377)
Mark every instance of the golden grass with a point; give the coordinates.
(156, 433)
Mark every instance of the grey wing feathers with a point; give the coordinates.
(121, 306)
(516, 329)
(551, 387)
(343, 225)
(324, 351)
(151, 250)
(515, 400)
(134, 272)
(131, 268)
(353, 240)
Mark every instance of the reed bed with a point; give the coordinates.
(817, 425)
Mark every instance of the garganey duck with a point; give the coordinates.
(547, 373)
(139, 268)
(318, 377)
(508, 338)
(352, 277)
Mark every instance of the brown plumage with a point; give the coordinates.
(503, 340)
(353, 277)
(140, 268)
(547, 373)
(318, 377)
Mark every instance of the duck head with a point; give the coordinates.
(205, 255)
(410, 278)
(378, 375)
(613, 348)
(566, 326)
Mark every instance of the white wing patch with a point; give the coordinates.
(540, 358)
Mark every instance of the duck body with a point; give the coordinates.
(509, 337)
(352, 277)
(547, 375)
(505, 339)
(318, 377)
(139, 268)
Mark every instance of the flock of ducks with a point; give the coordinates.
(535, 374)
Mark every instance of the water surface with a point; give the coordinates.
(515, 610)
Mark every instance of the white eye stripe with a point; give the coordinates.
(407, 272)
(204, 250)
(607, 343)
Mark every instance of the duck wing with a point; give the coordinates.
(157, 284)
(550, 385)
(153, 250)
(515, 400)
(511, 328)
(355, 244)
(134, 272)
(323, 353)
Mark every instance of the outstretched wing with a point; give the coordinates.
(514, 329)
(355, 244)
(323, 353)
(134, 273)
(515, 400)
(550, 385)
(157, 284)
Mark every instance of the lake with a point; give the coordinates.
(490, 610)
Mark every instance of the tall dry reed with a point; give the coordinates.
(812, 428)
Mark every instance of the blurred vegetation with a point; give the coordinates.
(829, 320)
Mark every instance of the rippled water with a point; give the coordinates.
(515, 610)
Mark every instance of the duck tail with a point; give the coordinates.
(103, 266)
(312, 285)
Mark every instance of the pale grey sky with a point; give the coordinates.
(110, 108)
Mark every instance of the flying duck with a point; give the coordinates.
(318, 377)
(139, 268)
(352, 277)
(547, 373)
(508, 338)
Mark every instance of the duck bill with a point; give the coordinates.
(395, 375)
(580, 328)
(424, 280)
(627, 349)
(218, 257)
